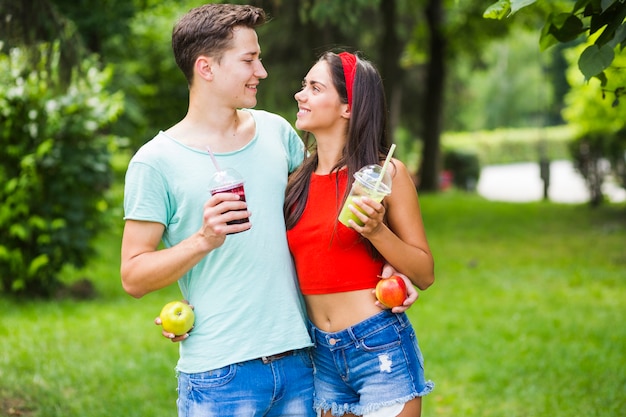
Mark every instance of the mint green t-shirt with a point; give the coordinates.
(245, 294)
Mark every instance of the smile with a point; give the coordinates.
(302, 112)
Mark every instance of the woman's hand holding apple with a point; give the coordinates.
(412, 294)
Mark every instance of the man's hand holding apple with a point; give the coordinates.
(175, 314)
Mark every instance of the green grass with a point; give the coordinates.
(526, 315)
(525, 319)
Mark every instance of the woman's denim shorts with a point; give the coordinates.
(373, 364)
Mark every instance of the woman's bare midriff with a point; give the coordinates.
(338, 311)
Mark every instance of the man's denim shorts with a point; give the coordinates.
(260, 387)
(373, 364)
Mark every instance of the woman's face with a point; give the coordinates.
(319, 106)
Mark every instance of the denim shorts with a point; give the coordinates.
(373, 364)
(282, 387)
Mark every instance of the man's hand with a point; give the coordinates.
(172, 336)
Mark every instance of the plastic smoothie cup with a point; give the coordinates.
(367, 183)
(228, 181)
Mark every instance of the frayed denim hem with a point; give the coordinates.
(339, 410)
(335, 409)
(428, 387)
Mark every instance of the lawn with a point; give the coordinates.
(525, 319)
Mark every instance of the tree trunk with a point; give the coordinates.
(390, 51)
(433, 99)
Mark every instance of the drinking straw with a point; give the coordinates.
(382, 171)
(217, 166)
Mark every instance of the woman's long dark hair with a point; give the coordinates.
(367, 143)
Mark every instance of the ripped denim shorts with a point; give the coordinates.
(373, 364)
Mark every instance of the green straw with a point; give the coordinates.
(382, 171)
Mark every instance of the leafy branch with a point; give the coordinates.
(600, 20)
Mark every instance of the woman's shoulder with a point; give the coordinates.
(401, 174)
(398, 168)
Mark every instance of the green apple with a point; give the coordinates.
(177, 317)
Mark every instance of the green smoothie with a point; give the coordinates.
(366, 184)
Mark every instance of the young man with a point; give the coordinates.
(248, 352)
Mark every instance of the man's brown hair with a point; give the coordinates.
(208, 30)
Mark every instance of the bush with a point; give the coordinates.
(505, 146)
(54, 169)
(465, 168)
(598, 155)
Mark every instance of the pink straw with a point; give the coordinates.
(217, 166)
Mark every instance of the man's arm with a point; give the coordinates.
(144, 268)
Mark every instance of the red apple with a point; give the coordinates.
(177, 317)
(391, 292)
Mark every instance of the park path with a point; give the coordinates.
(521, 182)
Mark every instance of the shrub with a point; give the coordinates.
(598, 155)
(54, 168)
(465, 168)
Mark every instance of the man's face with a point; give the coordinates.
(239, 71)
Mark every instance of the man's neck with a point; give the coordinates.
(223, 130)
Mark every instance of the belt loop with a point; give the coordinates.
(353, 337)
(403, 319)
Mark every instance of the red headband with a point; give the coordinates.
(348, 61)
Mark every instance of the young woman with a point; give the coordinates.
(367, 361)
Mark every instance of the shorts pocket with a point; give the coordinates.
(382, 339)
(213, 378)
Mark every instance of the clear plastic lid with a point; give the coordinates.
(226, 178)
(369, 176)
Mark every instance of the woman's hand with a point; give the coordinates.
(412, 294)
(371, 214)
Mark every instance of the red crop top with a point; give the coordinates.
(329, 256)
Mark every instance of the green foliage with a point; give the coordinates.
(38, 22)
(156, 93)
(505, 8)
(592, 106)
(600, 125)
(336, 12)
(503, 84)
(501, 146)
(602, 20)
(595, 111)
(54, 169)
(465, 168)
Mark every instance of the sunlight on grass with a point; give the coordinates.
(524, 319)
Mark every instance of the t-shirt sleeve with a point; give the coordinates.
(145, 194)
(295, 149)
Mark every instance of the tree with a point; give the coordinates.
(55, 165)
(602, 20)
(601, 137)
(433, 99)
(37, 22)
